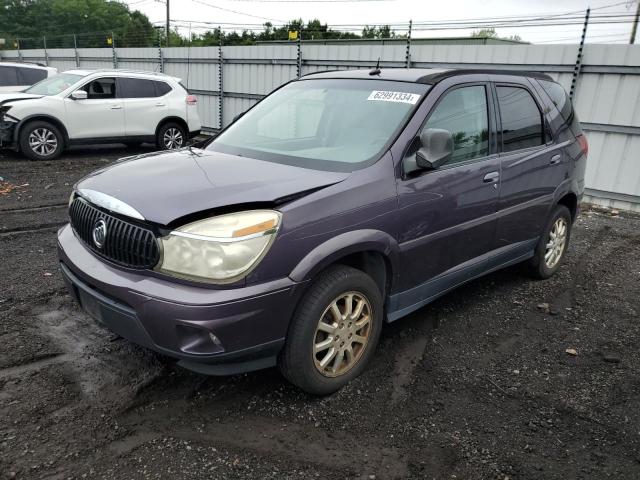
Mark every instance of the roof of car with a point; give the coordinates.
(27, 65)
(419, 75)
(112, 71)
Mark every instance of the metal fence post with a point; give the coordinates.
(46, 56)
(19, 52)
(299, 55)
(578, 66)
(407, 56)
(75, 50)
(220, 82)
(113, 51)
(160, 55)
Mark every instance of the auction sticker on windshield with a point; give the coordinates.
(386, 96)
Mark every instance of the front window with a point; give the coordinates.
(54, 85)
(332, 124)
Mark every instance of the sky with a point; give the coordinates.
(351, 14)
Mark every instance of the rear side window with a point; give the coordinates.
(521, 119)
(559, 97)
(29, 76)
(162, 88)
(8, 76)
(464, 113)
(136, 88)
(101, 88)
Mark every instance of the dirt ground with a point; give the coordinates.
(477, 385)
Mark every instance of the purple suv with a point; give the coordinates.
(341, 201)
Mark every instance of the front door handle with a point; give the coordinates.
(491, 177)
(555, 159)
(116, 107)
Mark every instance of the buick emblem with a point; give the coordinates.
(99, 233)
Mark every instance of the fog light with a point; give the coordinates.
(215, 340)
(196, 340)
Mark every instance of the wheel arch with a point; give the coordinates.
(172, 119)
(41, 117)
(373, 252)
(570, 200)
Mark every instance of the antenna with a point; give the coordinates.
(376, 70)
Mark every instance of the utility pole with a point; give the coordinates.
(168, 18)
(634, 29)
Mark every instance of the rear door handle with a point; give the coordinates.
(556, 159)
(491, 177)
(116, 107)
(160, 104)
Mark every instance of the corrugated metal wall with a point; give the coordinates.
(607, 93)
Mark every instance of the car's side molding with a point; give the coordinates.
(347, 243)
(403, 303)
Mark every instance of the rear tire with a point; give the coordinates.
(171, 136)
(553, 244)
(325, 348)
(41, 140)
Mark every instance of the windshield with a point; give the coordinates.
(332, 124)
(54, 85)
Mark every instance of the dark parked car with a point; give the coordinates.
(341, 201)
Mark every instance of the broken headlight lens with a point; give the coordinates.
(220, 249)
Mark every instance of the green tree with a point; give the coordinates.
(92, 21)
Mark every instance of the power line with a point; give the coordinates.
(235, 11)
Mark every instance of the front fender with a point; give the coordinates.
(344, 244)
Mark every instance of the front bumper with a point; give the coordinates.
(250, 323)
(7, 130)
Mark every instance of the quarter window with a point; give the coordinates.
(559, 98)
(162, 88)
(29, 76)
(8, 76)
(102, 88)
(464, 113)
(136, 88)
(521, 119)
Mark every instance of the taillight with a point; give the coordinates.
(192, 100)
(584, 145)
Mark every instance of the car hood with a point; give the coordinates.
(163, 187)
(12, 96)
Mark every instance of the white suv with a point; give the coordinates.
(97, 106)
(15, 77)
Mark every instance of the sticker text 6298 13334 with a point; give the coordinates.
(385, 96)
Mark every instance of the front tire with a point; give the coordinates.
(334, 332)
(171, 136)
(41, 140)
(553, 244)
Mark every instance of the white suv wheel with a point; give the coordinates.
(173, 138)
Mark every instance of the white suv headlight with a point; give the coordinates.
(220, 249)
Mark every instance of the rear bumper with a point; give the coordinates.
(174, 319)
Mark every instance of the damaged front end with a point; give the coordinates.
(7, 128)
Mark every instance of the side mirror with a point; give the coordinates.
(436, 148)
(79, 95)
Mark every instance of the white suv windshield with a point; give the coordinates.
(54, 85)
(333, 124)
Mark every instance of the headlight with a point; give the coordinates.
(220, 249)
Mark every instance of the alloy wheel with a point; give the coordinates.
(342, 334)
(557, 242)
(173, 138)
(43, 141)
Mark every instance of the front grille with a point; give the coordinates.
(125, 243)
